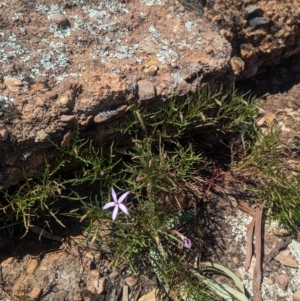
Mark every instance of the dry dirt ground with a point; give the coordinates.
(46, 269)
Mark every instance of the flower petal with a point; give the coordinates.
(114, 195)
(123, 208)
(187, 243)
(115, 213)
(122, 197)
(179, 234)
(108, 205)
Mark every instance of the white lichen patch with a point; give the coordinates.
(50, 11)
(154, 31)
(189, 25)
(152, 2)
(66, 75)
(239, 225)
(5, 100)
(114, 6)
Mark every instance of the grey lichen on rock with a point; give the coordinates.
(68, 64)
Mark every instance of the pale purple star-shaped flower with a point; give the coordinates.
(117, 203)
(185, 241)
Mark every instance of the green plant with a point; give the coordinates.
(273, 178)
(164, 152)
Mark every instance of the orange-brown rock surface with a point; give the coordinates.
(261, 32)
(80, 61)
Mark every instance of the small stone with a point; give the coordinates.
(87, 121)
(3, 134)
(67, 118)
(236, 260)
(67, 139)
(63, 100)
(296, 296)
(286, 260)
(113, 274)
(131, 281)
(35, 293)
(32, 265)
(99, 119)
(146, 90)
(7, 261)
(41, 136)
(151, 70)
(13, 84)
(125, 293)
(258, 21)
(282, 281)
(151, 296)
(237, 65)
(183, 88)
(99, 285)
(181, 9)
(270, 281)
(281, 232)
(60, 19)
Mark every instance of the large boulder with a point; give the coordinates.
(78, 62)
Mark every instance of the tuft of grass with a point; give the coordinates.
(156, 155)
(270, 172)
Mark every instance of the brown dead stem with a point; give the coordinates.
(254, 228)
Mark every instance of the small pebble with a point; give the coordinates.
(60, 19)
(32, 265)
(282, 281)
(296, 296)
(67, 118)
(235, 260)
(270, 281)
(113, 274)
(131, 281)
(281, 232)
(3, 134)
(13, 84)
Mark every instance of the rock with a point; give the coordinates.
(41, 136)
(60, 19)
(13, 84)
(237, 65)
(67, 139)
(125, 293)
(131, 281)
(235, 260)
(287, 260)
(100, 285)
(280, 231)
(115, 273)
(35, 293)
(7, 261)
(282, 281)
(67, 118)
(32, 265)
(146, 90)
(80, 72)
(296, 296)
(267, 25)
(270, 281)
(258, 21)
(3, 134)
(151, 296)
